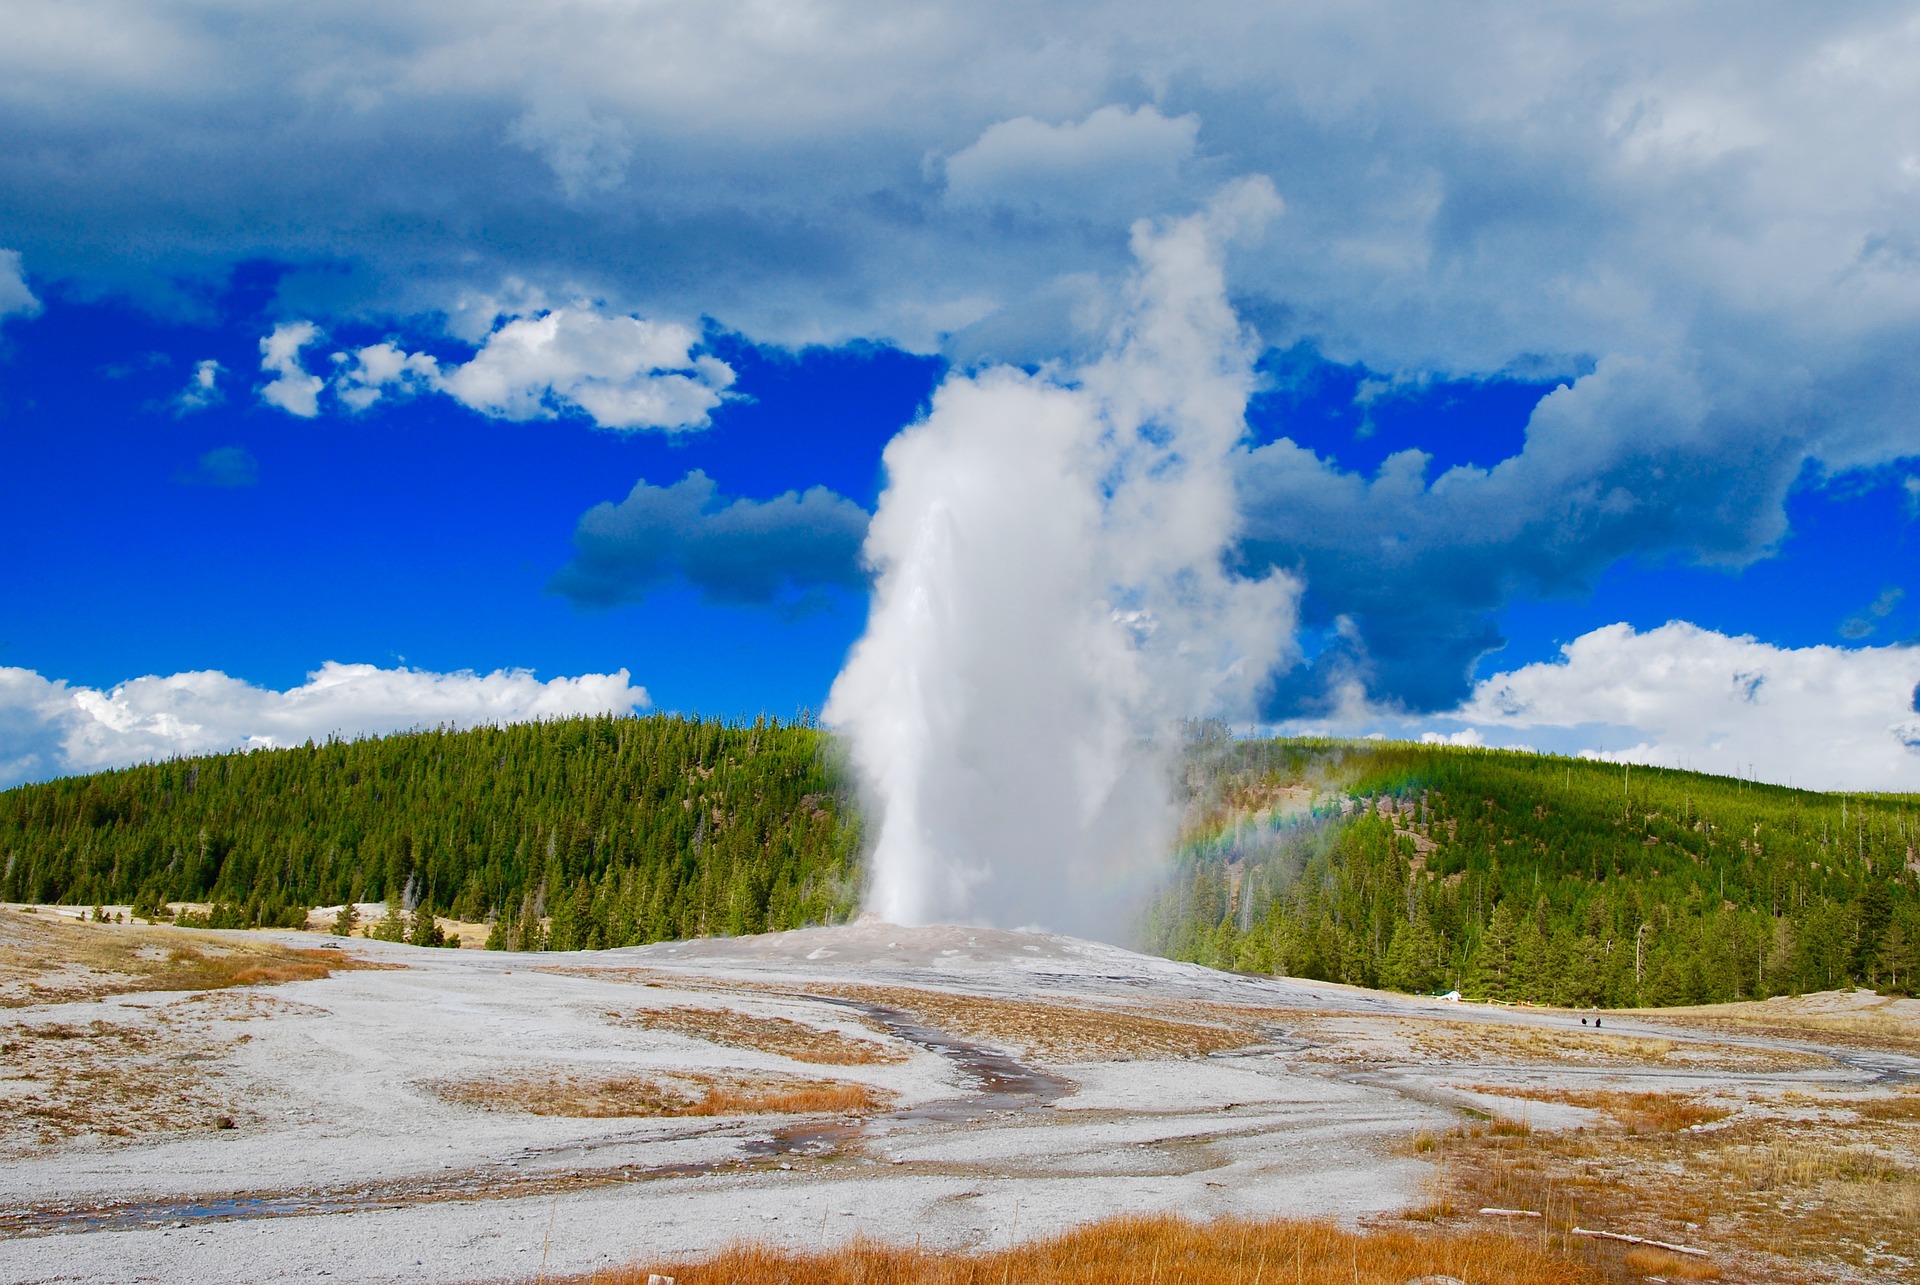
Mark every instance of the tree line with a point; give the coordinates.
(1420, 868)
(568, 834)
(1527, 877)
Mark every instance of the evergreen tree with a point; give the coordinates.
(393, 924)
(425, 928)
(1527, 877)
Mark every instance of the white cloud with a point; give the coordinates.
(16, 300)
(1681, 696)
(1707, 228)
(50, 728)
(292, 389)
(1471, 737)
(202, 390)
(620, 372)
(368, 374)
(623, 372)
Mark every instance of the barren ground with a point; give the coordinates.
(186, 1105)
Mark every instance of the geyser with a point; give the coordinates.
(1051, 598)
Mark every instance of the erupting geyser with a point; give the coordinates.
(1052, 598)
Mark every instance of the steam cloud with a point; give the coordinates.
(1051, 599)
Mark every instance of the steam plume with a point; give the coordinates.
(1051, 599)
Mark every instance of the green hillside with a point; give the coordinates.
(1422, 868)
(611, 830)
(1526, 877)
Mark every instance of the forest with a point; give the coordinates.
(569, 834)
(1535, 878)
(1501, 874)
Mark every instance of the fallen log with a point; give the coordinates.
(1640, 1240)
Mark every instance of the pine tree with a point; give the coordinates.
(425, 930)
(393, 925)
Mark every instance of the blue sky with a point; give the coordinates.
(1571, 321)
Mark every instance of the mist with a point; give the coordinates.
(1051, 598)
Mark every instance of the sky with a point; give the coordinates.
(374, 366)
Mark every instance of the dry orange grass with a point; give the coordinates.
(1634, 1112)
(683, 1093)
(1667, 1265)
(49, 959)
(1903, 1108)
(1429, 1040)
(1823, 1196)
(776, 1035)
(1056, 1032)
(1151, 1251)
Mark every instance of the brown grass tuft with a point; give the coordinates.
(683, 1093)
(1055, 1032)
(49, 959)
(1649, 1261)
(1820, 1194)
(776, 1035)
(1343, 1039)
(1147, 1249)
(1634, 1112)
(125, 1075)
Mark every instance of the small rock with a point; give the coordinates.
(224, 1122)
(655, 1278)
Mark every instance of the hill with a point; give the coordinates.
(574, 833)
(1422, 868)
(1535, 878)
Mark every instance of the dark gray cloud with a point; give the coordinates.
(1409, 572)
(763, 552)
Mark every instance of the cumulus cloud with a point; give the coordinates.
(202, 390)
(226, 467)
(368, 374)
(622, 372)
(51, 728)
(16, 300)
(619, 372)
(1681, 696)
(1705, 231)
(737, 551)
(292, 389)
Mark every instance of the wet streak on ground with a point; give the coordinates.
(1001, 1085)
